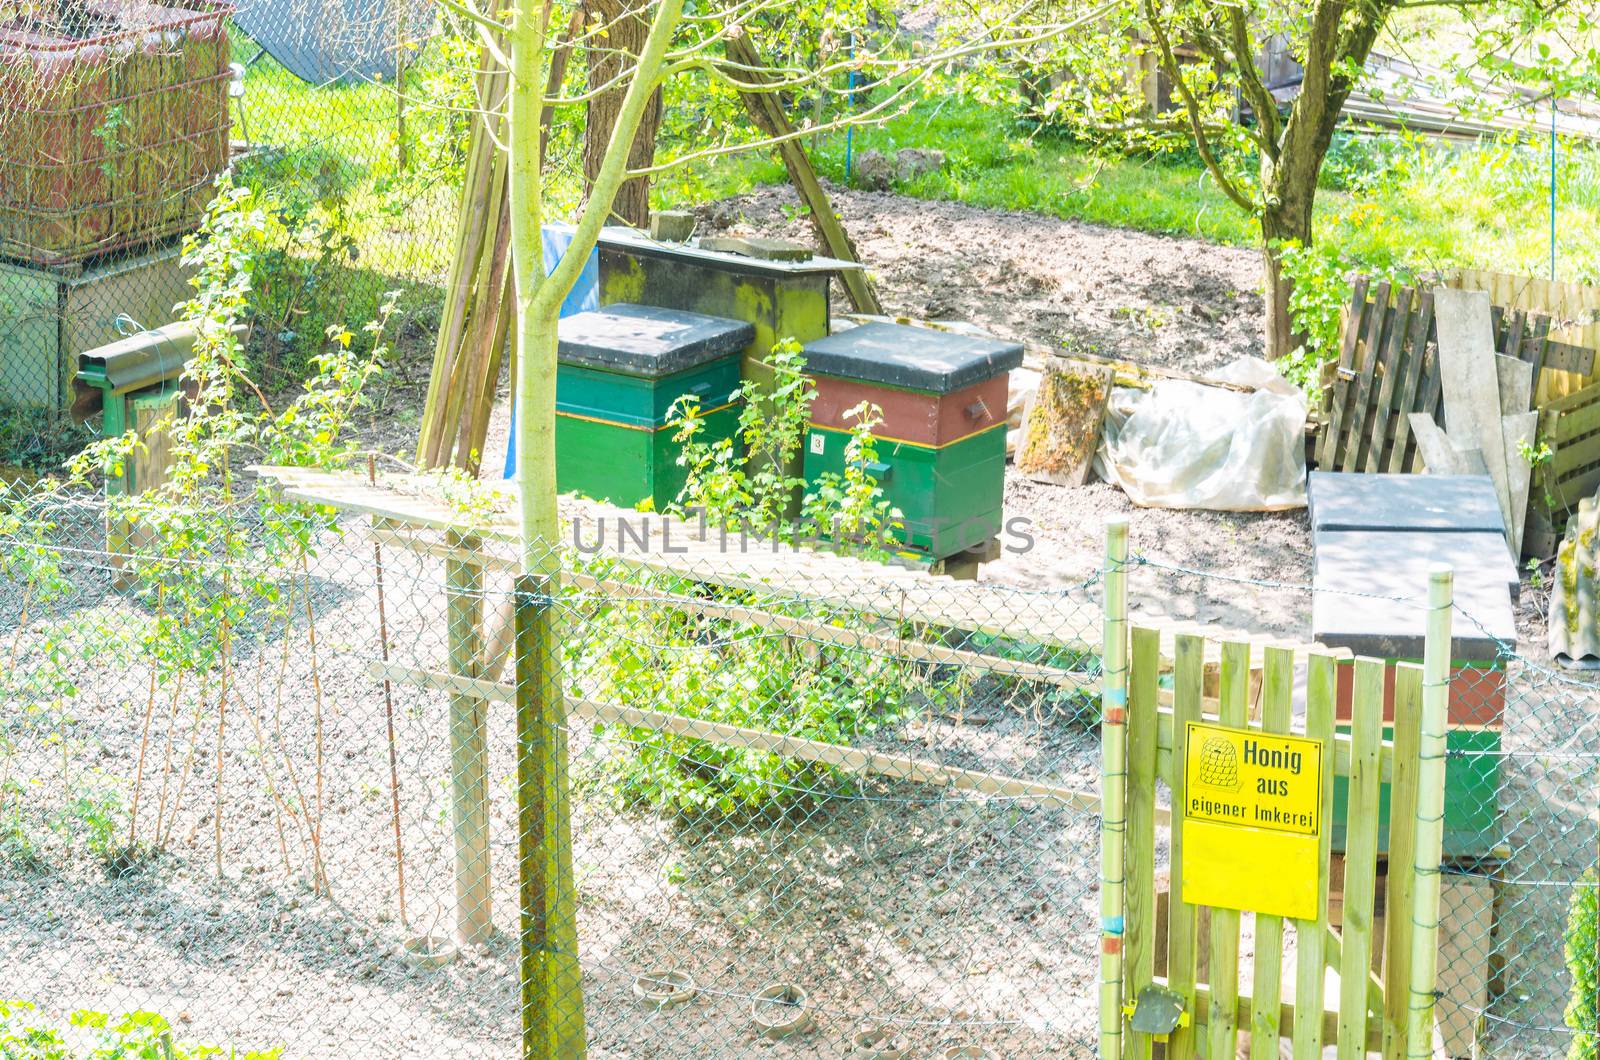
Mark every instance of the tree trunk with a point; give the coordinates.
(1286, 219)
(616, 52)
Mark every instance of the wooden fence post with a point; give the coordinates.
(469, 744)
(552, 978)
(1113, 781)
(1430, 815)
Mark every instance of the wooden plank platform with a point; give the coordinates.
(655, 543)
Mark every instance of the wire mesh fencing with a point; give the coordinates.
(347, 121)
(261, 774)
(263, 785)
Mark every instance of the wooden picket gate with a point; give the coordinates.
(1148, 701)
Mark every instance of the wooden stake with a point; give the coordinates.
(1113, 780)
(767, 112)
(388, 716)
(1429, 838)
(469, 751)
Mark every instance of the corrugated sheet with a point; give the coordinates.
(1574, 618)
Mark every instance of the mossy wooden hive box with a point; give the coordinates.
(620, 370)
(779, 299)
(942, 438)
(49, 316)
(113, 124)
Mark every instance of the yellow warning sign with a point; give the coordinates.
(1251, 820)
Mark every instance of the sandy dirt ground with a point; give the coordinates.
(1157, 300)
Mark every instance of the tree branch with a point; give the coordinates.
(1197, 124)
(1252, 85)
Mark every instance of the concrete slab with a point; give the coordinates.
(1520, 432)
(1370, 590)
(1440, 454)
(1444, 503)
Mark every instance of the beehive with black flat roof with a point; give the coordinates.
(942, 436)
(620, 370)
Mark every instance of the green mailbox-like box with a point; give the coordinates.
(620, 370)
(942, 437)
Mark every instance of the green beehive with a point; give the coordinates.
(942, 438)
(1472, 825)
(620, 370)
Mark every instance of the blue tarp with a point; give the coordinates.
(584, 296)
(333, 41)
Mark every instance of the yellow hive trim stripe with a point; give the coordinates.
(903, 441)
(636, 427)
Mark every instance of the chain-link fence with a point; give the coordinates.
(347, 121)
(246, 793)
(263, 782)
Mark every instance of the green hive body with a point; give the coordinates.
(619, 372)
(951, 493)
(1472, 827)
(950, 499)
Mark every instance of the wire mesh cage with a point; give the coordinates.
(113, 123)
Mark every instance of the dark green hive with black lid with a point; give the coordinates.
(942, 438)
(620, 370)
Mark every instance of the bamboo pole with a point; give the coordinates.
(1430, 815)
(1113, 778)
(469, 752)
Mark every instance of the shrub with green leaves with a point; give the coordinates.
(1583, 962)
(736, 674)
(87, 1035)
(746, 482)
(849, 508)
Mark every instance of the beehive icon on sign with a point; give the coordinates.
(1219, 764)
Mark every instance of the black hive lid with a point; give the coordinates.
(648, 340)
(912, 358)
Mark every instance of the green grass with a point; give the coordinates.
(997, 162)
(1387, 201)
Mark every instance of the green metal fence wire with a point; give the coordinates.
(299, 832)
(896, 850)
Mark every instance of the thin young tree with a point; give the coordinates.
(685, 50)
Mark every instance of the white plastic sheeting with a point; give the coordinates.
(1188, 445)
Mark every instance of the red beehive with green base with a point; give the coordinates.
(942, 436)
(620, 370)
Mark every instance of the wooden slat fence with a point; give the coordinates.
(1388, 368)
(1199, 956)
(1574, 309)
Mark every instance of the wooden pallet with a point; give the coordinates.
(1388, 368)
(1570, 426)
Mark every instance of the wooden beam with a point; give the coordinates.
(767, 112)
(852, 760)
(852, 637)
